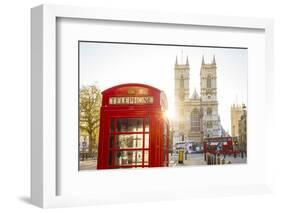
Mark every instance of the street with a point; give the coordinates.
(191, 160)
(198, 159)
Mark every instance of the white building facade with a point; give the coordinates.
(196, 116)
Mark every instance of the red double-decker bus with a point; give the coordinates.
(220, 145)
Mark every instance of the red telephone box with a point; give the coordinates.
(133, 129)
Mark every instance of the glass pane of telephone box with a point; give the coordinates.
(129, 124)
(128, 157)
(146, 141)
(125, 141)
(146, 124)
(146, 154)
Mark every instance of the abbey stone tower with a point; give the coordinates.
(196, 115)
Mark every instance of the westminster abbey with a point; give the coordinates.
(196, 116)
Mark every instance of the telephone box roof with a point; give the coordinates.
(130, 85)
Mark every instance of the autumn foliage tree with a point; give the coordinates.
(90, 102)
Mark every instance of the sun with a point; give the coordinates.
(169, 114)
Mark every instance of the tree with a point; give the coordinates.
(90, 102)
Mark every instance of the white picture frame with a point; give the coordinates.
(45, 178)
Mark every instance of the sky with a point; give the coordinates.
(109, 64)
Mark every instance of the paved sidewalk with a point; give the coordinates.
(194, 159)
(89, 164)
(198, 159)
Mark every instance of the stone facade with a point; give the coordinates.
(236, 113)
(242, 129)
(197, 115)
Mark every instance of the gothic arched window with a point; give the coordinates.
(195, 120)
(209, 81)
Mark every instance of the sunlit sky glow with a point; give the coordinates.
(108, 64)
